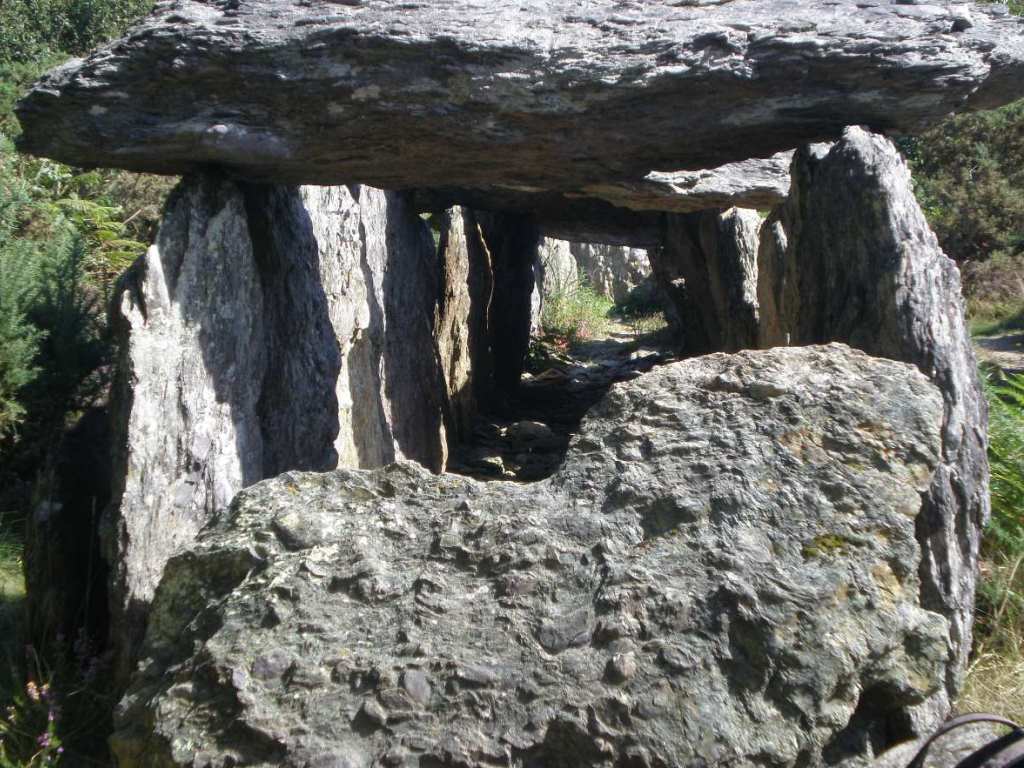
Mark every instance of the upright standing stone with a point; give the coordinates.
(613, 270)
(274, 328)
(555, 275)
(511, 241)
(849, 257)
(707, 273)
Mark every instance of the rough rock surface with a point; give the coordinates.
(613, 270)
(471, 95)
(706, 271)
(527, 440)
(511, 242)
(627, 213)
(759, 184)
(271, 328)
(947, 751)
(850, 258)
(556, 270)
(461, 321)
(723, 572)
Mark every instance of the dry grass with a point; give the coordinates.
(995, 677)
(995, 684)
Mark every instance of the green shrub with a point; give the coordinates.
(1005, 532)
(19, 287)
(36, 29)
(576, 314)
(642, 311)
(969, 178)
(50, 327)
(969, 175)
(64, 236)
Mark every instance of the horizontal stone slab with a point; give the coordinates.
(542, 96)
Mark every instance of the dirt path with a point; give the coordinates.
(527, 438)
(1004, 350)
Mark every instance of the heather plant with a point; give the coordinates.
(29, 735)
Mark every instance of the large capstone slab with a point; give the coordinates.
(554, 95)
(725, 571)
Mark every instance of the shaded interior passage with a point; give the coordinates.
(526, 436)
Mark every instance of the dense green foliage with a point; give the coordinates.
(37, 29)
(50, 329)
(969, 178)
(970, 175)
(65, 235)
(1006, 453)
(996, 679)
(576, 313)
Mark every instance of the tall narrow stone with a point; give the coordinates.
(706, 270)
(192, 362)
(849, 257)
(274, 328)
(511, 241)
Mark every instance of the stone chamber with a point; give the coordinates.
(759, 548)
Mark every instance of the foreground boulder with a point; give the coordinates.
(464, 95)
(724, 572)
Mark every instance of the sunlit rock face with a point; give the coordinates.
(850, 258)
(724, 571)
(706, 271)
(274, 328)
(533, 97)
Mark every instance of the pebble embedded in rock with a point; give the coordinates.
(272, 665)
(621, 667)
(417, 685)
(374, 712)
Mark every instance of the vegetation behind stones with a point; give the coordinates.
(996, 678)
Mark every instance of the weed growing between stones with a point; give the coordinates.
(995, 680)
(54, 706)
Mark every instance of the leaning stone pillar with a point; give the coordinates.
(850, 257)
